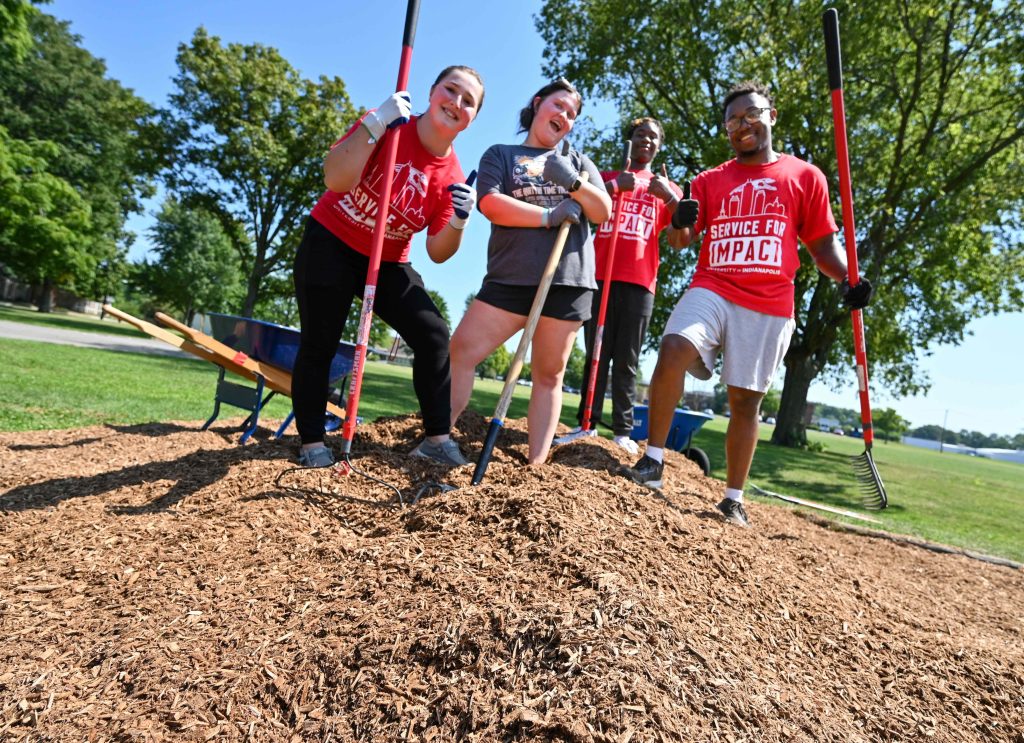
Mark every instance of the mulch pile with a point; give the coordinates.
(156, 583)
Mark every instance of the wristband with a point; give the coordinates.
(545, 218)
(458, 223)
(615, 186)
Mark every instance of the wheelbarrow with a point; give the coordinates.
(685, 423)
(271, 371)
(277, 345)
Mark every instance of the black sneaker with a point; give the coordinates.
(733, 511)
(646, 472)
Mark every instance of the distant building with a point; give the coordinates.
(1003, 455)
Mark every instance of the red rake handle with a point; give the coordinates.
(379, 230)
(830, 21)
(609, 262)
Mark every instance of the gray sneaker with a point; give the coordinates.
(645, 472)
(734, 512)
(318, 457)
(447, 452)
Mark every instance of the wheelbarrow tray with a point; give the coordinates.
(210, 349)
(271, 343)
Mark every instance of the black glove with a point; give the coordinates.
(856, 297)
(686, 211)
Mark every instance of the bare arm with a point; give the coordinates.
(344, 164)
(828, 256)
(507, 211)
(444, 244)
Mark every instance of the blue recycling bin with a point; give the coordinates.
(639, 432)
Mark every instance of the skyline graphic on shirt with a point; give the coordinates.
(746, 236)
(750, 199)
(408, 193)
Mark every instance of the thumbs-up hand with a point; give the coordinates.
(687, 210)
(661, 187)
(463, 199)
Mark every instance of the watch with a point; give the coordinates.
(575, 185)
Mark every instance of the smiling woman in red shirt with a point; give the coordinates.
(429, 192)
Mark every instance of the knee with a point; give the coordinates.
(675, 352)
(745, 404)
(431, 338)
(546, 376)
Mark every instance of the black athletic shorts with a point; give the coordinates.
(562, 302)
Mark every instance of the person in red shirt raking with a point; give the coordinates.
(429, 192)
(751, 210)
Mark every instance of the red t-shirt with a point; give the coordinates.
(751, 217)
(642, 217)
(419, 197)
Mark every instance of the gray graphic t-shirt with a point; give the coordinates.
(517, 255)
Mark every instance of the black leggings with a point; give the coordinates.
(625, 324)
(328, 276)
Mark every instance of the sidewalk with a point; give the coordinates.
(32, 332)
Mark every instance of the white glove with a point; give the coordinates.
(396, 109)
(463, 199)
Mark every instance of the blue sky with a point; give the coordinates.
(976, 385)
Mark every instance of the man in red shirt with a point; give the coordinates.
(751, 211)
(647, 203)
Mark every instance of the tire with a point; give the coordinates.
(700, 457)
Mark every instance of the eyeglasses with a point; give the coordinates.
(751, 116)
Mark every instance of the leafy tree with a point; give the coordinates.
(496, 365)
(770, 403)
(929, 432)
(576, 368)
(250, 135)
(99, 144)
(15, 38)
(932, 93)
(888, 424)
(196, 267)
(442, 306)
(41, 215)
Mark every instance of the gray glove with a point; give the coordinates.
(558, 169)
(567, 210)
(396, 109)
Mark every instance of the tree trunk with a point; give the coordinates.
(789, 424)
(251, 295)
(46, 293)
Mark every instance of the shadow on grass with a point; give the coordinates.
(827, 477)
(56, 320)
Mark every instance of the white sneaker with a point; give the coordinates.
(627, 443)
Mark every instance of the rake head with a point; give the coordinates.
(872, 490)
(574, 436)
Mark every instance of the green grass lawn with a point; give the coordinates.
(964, 501)
(955, 499)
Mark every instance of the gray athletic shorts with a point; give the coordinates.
(752, 344)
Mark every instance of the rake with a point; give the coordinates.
(872, 490)
(587, 427)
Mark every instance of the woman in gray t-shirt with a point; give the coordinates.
(527, 191)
